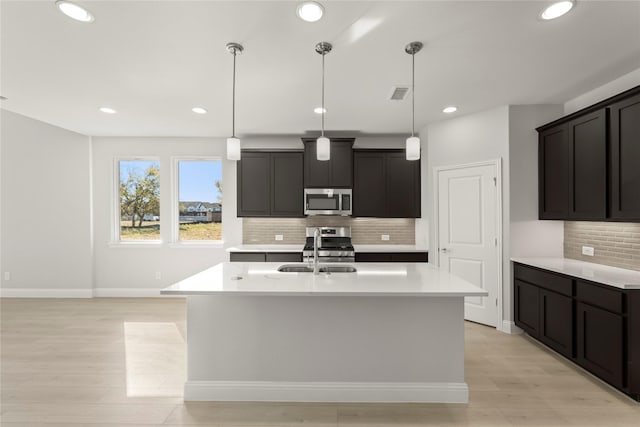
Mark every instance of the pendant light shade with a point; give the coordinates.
(323, 148)
(413, 142)
(233, 143)
(323, 144)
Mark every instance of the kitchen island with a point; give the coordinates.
(386, 333)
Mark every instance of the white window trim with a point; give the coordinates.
(115, 206)
(175, 241)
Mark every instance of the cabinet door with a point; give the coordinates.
(287, 195)
(284, 256)
(410, 257)
(625, 159)
(552, 173)
(588, 166)
(556, 322)
(254, 195)
(316, 172)
(373, 257)
(369, 185)
(403, 186)
(527, 307)
(600, 343)
(341, 164)
(247, 257)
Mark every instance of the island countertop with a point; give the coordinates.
(371, 279)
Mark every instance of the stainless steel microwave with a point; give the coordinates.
(327, 201)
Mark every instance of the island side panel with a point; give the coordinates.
(307, 340)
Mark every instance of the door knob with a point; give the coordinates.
(444, 250)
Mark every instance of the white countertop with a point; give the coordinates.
(371, 279)
(612, 276)
(298, 248)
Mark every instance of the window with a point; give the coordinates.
(139, 201)
(199, 200)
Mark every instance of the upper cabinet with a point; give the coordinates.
(337, 172)
(270, 184)
(385, 184)
(588, 162)
(624, 154)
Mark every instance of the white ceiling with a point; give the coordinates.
(154, 60)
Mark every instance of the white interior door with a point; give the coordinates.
(468, 234)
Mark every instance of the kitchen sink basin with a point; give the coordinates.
(304, 268)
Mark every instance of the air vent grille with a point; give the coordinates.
(398, 93)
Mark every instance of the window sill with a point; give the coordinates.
(156, 244)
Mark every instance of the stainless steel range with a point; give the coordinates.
(334, 245)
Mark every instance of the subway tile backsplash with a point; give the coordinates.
(364, 231)
(615, 243)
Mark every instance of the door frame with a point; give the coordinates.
(497, 164)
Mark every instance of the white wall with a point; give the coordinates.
(603, 92)
(46, 227)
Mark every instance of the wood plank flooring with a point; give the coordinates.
(121, 362)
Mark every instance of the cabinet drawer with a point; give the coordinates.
(599, 296)
(284, 256)
(551, 281)
(247, 257)
(373, 257)
(409, 257)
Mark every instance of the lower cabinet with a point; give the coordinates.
(392, 257)
(265, 256)
(594, 325)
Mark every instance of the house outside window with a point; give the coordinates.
(199, 201)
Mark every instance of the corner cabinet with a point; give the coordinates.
(385, 184)
(270, 184)
(594, 325)
(588, 162)
(337, 172)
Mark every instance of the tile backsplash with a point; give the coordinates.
(615, 243)
(364, 231)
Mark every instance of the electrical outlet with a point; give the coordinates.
(7, 275)
(384, 237)
(279, 236)
(158, 275)
(588, 251)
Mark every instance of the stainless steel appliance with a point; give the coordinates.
(334, 245)
(327, 201)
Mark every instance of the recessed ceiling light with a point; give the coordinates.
(74, 11)
(199, 110)
(450, 109)
(310, 11)
(556, 10)
(107, 110)
(319, 110)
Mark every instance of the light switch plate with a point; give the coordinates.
(279, 236)
(588, 251)
(385, 237)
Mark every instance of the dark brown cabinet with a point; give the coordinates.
(270, 184)
(594, 325)
(337, 172)
(553, 178)
(418, 256)
(587, 166)
(385, 184)
(265, 256)
(625, 159)
(588, 162)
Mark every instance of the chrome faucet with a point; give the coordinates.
(317, 241)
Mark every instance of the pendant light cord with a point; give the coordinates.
(413, 93)
(233, 102)
(323, 110)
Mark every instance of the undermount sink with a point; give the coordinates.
(303, 268)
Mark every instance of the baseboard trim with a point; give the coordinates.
(130, 293)
(45, 293)
(510, 327)
(266, 391)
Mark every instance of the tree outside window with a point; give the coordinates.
(139, 199)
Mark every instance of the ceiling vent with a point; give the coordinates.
(399, 93)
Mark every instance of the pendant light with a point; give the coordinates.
(323, 144)
(233, 143)
(413, 142)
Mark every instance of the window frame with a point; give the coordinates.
(175, 241)
(116, 240)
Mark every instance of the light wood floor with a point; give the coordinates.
(113, 362)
